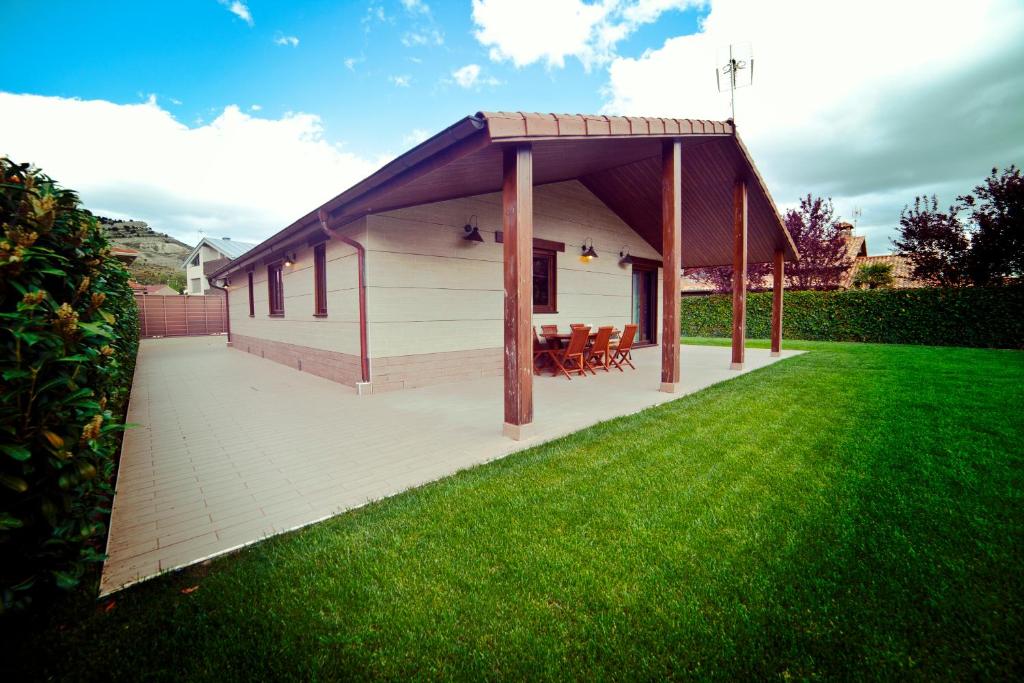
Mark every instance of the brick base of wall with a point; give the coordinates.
(386, 374)
(423, 369)
(337, 367)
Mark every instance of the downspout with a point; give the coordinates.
(364, 352)
(227, 308)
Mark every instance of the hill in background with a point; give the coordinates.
(160, 254)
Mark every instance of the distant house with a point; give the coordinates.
(857, 251)
(209, 255)
(158, 289)
(125, 255)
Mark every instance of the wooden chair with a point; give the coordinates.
(554, 343)
(571, 358)
(542, 353)
(549, 329)
(620, 352)
(600, 351)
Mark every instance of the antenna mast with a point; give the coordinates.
(736, 68)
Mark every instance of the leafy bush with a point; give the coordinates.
(67, 350)
(971, 316)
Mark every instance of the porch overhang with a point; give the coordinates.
(617, 158)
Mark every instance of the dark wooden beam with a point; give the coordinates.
(641, 261)
(671, 255)
(778, 273)
(538, 243)
(517, 221)
(739, 273)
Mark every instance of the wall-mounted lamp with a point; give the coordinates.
(472, 230)
(289, 259)
(587, 249)
(624, 253)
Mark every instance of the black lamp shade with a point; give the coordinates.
(472, 234)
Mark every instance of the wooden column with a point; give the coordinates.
(739, 273)
(778, 272)
(517, 222)
(671, 255)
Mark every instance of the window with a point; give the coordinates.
(252, 299)
(195, 260)
(275, 288)
(544, 285)
(320, 280)
(195, 286)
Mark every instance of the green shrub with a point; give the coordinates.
(969, 316)
(68, 339)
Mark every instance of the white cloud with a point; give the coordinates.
(228, 177)
(469, 77)
(416, 6)
(870, 102)
(287, 40)
(588, 31)
(400, 81)
(416, 136)
(350, 62)
(422, 37)
(255, 107)
(239, 9)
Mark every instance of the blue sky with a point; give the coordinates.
(199, 54)
(234, 117)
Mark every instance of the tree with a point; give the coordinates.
(873, 276)
(720, 277)
(823, 251)
(936, 242)
(823, 257)
(997, 216)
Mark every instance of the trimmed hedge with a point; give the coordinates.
(68, 339)
(970, 316)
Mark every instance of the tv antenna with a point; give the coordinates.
(735, 70)
(856, 213)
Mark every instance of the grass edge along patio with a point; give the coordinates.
(399, 281)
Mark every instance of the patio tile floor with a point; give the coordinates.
(232, 448)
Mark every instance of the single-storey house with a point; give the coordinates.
(208, 256)
(438, 266)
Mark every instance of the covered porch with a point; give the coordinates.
(210, 469)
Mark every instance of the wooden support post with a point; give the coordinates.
(517, 221)
(739, 273)
(778, 272)
(671, 255)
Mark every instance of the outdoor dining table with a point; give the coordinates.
(561, 338)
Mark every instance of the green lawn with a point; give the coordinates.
(857, 511)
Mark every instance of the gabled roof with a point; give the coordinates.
(616, 158)
(230, 248)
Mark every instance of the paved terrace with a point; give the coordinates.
(232, 448)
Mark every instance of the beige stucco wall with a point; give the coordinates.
(430, 291)
(338, 332)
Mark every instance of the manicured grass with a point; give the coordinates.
(853, 512)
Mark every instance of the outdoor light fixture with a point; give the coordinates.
(472, 230)
(624, 253)
(588, 251)
(289, 259)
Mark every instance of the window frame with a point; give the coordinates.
(320, 280)
(275, 289)
(551, 256)
(252, 296)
